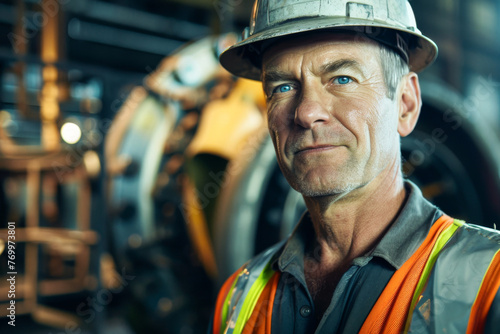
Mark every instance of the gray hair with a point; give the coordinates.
(394, 67)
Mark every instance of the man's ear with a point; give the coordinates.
(410, 103)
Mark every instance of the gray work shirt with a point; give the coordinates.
(362, 284)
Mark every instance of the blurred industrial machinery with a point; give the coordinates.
(136, 191)
(166, 154)
(47, 185)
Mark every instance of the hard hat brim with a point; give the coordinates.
(243, 58)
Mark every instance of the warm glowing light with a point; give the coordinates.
(71, 133)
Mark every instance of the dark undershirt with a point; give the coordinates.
(356, 301)
(492, 320)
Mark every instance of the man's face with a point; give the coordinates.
(333, 127)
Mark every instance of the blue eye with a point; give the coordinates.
(283, 88)
(342, 80)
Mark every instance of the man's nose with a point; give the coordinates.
(311, 110)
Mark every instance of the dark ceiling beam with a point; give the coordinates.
(102, 34)
(129, 17)
(240, 9)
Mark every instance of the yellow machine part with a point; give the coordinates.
(225, 124)
(197, 228)
(225, 127)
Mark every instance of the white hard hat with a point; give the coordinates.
(390, 22)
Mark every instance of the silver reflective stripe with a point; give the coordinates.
(245, 281)
(445, 304)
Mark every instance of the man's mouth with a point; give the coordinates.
(315, 149)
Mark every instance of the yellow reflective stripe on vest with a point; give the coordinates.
(245, 291)
(252, 298)
(438, 246)
(225, 309)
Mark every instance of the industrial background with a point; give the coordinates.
(138, 174)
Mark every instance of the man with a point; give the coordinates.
(370, 255)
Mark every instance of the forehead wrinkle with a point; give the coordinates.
(275, 74)
(312, 43)
(276, 69)
(339, 64)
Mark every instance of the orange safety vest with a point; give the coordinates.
(450, 281)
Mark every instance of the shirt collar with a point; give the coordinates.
(410, 228)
